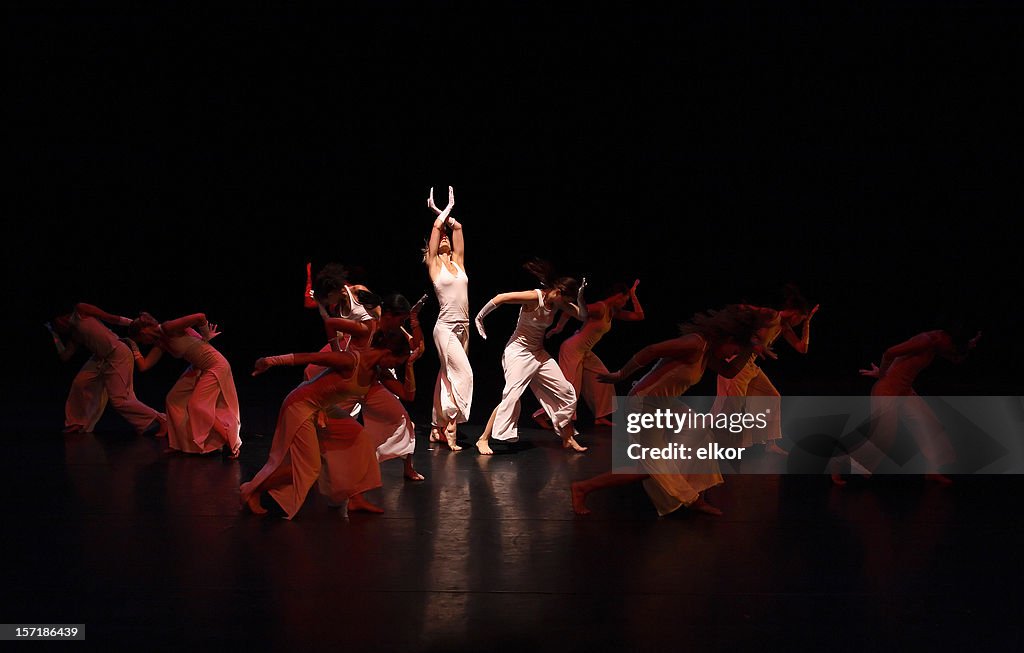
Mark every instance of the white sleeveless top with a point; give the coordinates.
(356, 312)
(530, 329)
(452, 292)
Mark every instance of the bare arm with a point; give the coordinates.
(635, 315)
(563, 319)
(88, 310)
(144, 363)
(181, 325)
(916, 345)
(802, 343)
(342, 361)
(687, 348)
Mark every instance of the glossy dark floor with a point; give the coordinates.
(486, 554)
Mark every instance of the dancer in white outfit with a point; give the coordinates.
(526, 363)
(576, 356)
(723, 341)
(445, 259)
(106, 375)
(202, 407)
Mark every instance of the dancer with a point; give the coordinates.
(294, 462)
(445, 260)
(753, 382)
(576, 357)
(526, 363)
(107, 374)
(723, 341)
(894, 401)
(202, 407)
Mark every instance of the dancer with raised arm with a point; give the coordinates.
(445, 259)
(526, 363)
(202, 407)
(894, 400)
(576, 356)
(733, 393)
(294, 462)
(106, 375)
(723, 341)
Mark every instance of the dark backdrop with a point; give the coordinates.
(180, 160)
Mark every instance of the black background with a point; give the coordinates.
(178, 160)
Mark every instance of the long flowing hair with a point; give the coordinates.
(545, 273)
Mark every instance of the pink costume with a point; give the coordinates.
(668, 490)
(893, 400)
(453, 391)
(526, 363)
(295, 456)
(751, 391)
(202, 407)
(581, 366)
(107, 374)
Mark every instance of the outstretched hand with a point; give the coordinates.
(261, 366)
(213, 332)
(874, 372)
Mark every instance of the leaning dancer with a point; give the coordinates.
(723, 341)
(202, 407)
(576, 356)
(445, 259)
(525, 361)
(107, 373)
(894, 400)
(733, 393)
(294, 462)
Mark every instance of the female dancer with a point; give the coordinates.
(753, 382)
(723, 341)
(107, 373)
(577, 359)
(202, 407)
(894, 400)
(445, 259)
(294, 462)
(525, 361)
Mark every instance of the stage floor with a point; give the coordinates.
(486, 554)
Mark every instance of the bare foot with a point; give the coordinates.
(164, 422)
(603, 421)
(235, 453)
(451, 434)
(939, 478)
(571, 443)
(772, 447)
(484, 448)
(74, 428)
(357, 502)
(412, 474)
(435, 435)
(837, 479)
(579, 499)
(544, 422)
(700, 505)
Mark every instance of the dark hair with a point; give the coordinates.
(395, 304)
(545, 273)
(368, 299)
(331, 278)
(794, 299)
(141, 322)
(734, 322)
(394, 341)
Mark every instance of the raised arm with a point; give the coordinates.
(181, 325)
(522, 297)
(802, 343)
(342, 361)
(635, 315)
(435, 232)
(88, 310)
(458, 244)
